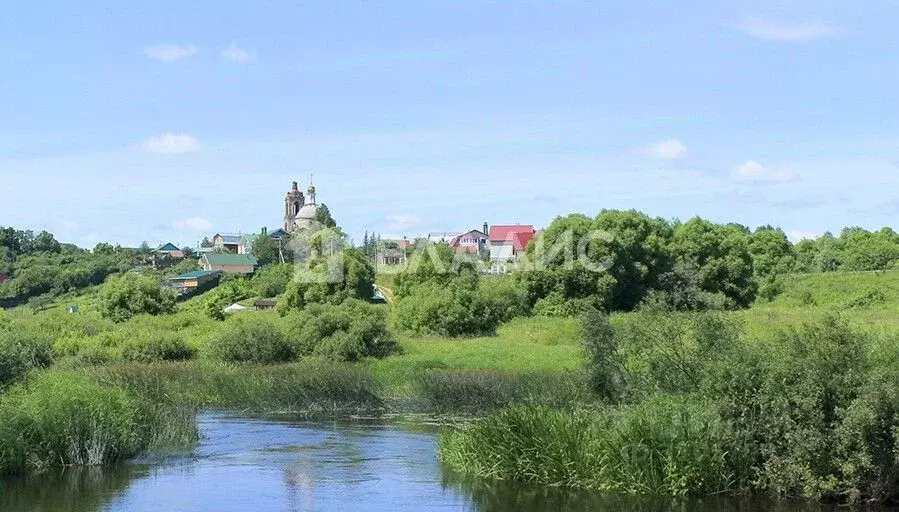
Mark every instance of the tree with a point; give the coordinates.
(772, 252)
(346, 275)
(721, 254)
(104, 248)
(265, 249)
(44, 242)
(133, 294)
(865, 250)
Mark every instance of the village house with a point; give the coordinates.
(196, 281)
(472, 242)
(235, 244)
(228, 263)
(171, 250)
(506, 242)
(394, 252)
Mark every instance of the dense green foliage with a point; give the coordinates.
(332, 280)
(664, 447)
(620, 259)
(20, 351)
(349, 331)
(66, 419)
(698, 408)
(134, 294)
(442, 295)
(255, 341)
(157, 346)
(39, 267)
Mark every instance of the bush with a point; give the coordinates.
(272, 280)
(133, 294)
(157, 346)
(347, 275)
(674, 352)
(452, 310)
(21, 351)
(869, 298)
(255, 341)
(605, 364)
(555, 305)
(345, 332)
(508, 294)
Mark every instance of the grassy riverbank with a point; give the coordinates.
(653, 439)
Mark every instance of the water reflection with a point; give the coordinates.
(512, 497)
(67, 489)
(275, 465)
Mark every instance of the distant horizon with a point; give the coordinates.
(174, 121)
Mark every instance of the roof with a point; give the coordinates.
(234, 307)
(196, 274)
(230, 239)
(278, 233)
(308, 211)
(518, 234)
(169, 247)
(265, 302)
(219, 258)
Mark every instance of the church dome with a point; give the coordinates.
(307, 212)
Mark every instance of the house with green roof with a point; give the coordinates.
(228, 263)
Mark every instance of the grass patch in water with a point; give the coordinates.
(662, 447)
(64, 419)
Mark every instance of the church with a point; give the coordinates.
(300, 211)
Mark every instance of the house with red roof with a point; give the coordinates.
(507, 241)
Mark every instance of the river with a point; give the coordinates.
(262, 465)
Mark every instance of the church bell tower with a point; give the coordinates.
(292, 204)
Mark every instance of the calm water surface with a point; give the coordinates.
(262, 465)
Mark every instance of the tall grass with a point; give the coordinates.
(64, 419)
(664, 447)
(478, 391)
(310, 388)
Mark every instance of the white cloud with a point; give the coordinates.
(771, 30)
(68, 223)
(796, 235)
(753, 171)
(171, 143)
(169, 52)
(403, 222)
(193, 224)
(670, 149)
(236, 54)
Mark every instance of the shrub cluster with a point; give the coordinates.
(157, 346)
(456, 308)
(696, 408)
(348, 331)
(20, 351)
(133, 294)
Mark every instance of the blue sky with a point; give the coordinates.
(173, 120)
